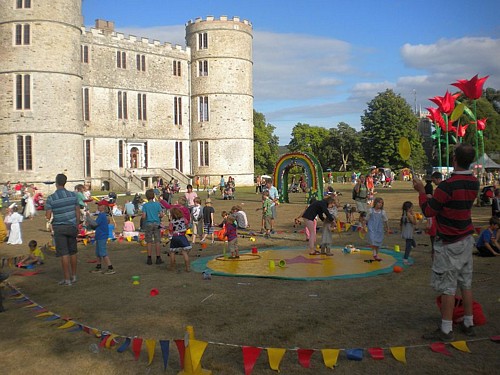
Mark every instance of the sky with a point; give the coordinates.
(319, 62)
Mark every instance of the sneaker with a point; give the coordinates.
(149, 261)
(74, 279)
(377, 258)
(65, 283)
(109, 271)
(406, 262)
(159, 261)
(439, 335)
(467, 331)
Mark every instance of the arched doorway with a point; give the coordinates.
(312, 168)
(134, 157)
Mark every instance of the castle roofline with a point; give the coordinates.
(221, 18)
(139, 41)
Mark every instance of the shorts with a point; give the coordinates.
(273, 212)
(267, 222)
(65, 239)
(100, 248)
(452, 265)
(152, 232)
(197, 228)
(233, 245)
(361, 206)
(209, 229)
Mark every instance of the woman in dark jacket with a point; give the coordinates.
(317, 208)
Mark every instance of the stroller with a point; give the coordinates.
(486, 195)
(294, 188)
(228, 193)
(39, 202)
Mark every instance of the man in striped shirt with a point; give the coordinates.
(451, 205)
(62, 206)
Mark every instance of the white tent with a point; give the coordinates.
(485, 161)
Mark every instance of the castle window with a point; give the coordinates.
(23, 4)
(202, 68)
(24, 153)
(84, 51)
(120, 154)
(178, 156)
(88, 159)
(141, 62)
(202, 41)
(203, 152)
(203, 108)
(86, 104)
(121, 59)
(177, 68)
(122, 105)
(177, 110)
(22, 34)
(23, 91)
(141, 107)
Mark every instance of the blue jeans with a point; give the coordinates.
(410, 243)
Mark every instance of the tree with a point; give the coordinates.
(388, 118)
(265, 144)
(342, 148)
(307, 138)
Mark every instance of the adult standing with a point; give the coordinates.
(6, 194)
(361, 194)
(222, 185)
(452, 264)
(274, 196)
(317, 208)
(258, 186)
(62, 206)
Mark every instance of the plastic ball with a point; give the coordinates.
(397, 269)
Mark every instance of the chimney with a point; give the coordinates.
(107, 26)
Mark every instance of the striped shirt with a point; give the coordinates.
(62, 203)
(451, 204)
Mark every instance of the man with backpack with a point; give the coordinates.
(360, 194)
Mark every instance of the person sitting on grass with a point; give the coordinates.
(34, 257)
(487, 243)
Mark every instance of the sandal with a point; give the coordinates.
(315, 253)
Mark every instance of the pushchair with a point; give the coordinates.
(486, 195)
(294, 188)
(228, 193)
(39, 202)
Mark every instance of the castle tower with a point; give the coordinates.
(41, 127)
(221, 98)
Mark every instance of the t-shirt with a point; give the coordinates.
(266, 207)
(129, 208)
(207, 214)
(102, 229)
(486, 237)
(62, 203)
(38, 253)
(152, 210)
(190, 198)
(241, 219)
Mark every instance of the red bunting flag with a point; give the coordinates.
(250, 356)
(136, 347)
(376, 353)
(440, 347)
(182, 349)
(304, 356)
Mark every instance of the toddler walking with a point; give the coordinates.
(232, 236)
(101, 238)
(178, 243)
(407, 226)
(377, 223)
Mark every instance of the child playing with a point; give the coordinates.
(208, 220)
(197, 219)
(14, 220)
(326, 234)
(35, 256)
(179, 242)
(377, 223)
(487, 243)
(129, 227)
(407, 226)
(232, 236)
(101, 238)
(224, 216)
(267, 213)
(151, 214)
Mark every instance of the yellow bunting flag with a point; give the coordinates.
(197, 349)
(110, 340)
(399, 352)
(68, 324)
(41, 315)
(129, 239)
(150, 346)
(330, 357)
(275, 356)
(460, 345)
(19, 296)
(347, 227)
(31, 305)
(96, 332)
(85, 241)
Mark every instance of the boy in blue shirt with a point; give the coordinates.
(101, 238)
(487, 243)
(152, 213)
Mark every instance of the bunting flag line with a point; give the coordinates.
(250, 354)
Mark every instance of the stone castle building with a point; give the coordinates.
(103, 107)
